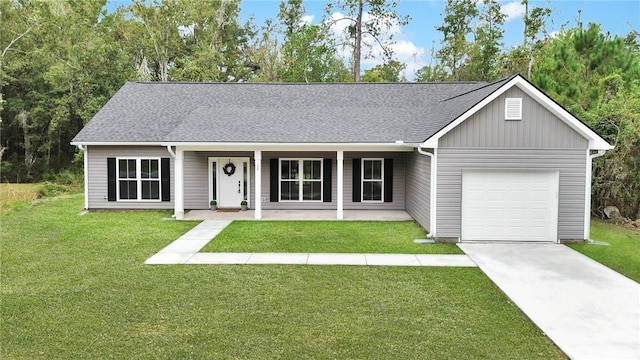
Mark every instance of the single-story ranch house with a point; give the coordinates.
(468, 161)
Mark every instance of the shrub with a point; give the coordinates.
(49, 189)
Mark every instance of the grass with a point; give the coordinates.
(325, 236)
(17, 195)
(77, 287)
(623, 252)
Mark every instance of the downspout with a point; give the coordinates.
(432, 190)
(85, 159)
(587, 201)
(173, 155)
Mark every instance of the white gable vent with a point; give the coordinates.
(513, 109)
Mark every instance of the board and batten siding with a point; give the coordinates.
(418, 185)
(196, 177)
(538, 129)
(97, 173)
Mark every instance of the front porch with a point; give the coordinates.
(349, 215)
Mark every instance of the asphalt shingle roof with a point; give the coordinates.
(282, 113)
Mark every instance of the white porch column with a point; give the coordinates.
(340, 176)
(257, 203)
(179, 184)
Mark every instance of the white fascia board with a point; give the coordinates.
(213, 146)
(116, 143)
(595, 141)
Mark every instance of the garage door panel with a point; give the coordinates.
(509, 205)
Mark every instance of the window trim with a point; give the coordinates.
(363, 180)
(138, 179)
(301, 180)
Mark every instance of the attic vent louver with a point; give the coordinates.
(513, 109)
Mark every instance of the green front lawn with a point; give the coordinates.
(623, 252)
(327, 237)
(76, 287)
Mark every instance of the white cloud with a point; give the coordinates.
(404, 51)
(513, 10)
(307, 19)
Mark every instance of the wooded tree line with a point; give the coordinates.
(60, 61)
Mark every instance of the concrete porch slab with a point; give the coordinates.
(352, 215)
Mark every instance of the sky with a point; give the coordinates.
(415, 41)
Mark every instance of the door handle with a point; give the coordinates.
(238, 187)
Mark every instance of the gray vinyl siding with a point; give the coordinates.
(571, 163)
(418, 185)
(398, 182)
(303, 205)
(196, 177)
(97, 173)
(538, 129)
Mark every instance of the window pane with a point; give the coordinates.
(128, 190)
(312, 169)
(372, 169)
(372, 191)
(284, 169)
(131, 165)
(289, 190)
(151, 190)
(307, 169)
(154, 169)
(294, 169)
(312, 190)
(122, 167)
(149, 169)
(144, 169)
(133, 189)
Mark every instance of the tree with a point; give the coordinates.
(534, 25)
(368, 20)
(458, 16)
(308, 54)
(484, 54)
(388, 72)
(55, 78)
(596, 78)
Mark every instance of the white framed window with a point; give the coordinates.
(138, 179)
(373, 180)
(513, 109)
(300, 180)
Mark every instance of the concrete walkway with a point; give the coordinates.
(587, 309)
(185, 250)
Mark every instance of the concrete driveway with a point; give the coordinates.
(587, 309)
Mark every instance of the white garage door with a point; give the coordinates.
(510, 205)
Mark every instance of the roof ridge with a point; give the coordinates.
(303, 83)
(507, 79)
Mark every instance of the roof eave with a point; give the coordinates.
(596, 142)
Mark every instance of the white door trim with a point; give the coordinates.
(218, 161)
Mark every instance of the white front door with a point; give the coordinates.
(229, 181)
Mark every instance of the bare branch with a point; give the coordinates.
(4, 52)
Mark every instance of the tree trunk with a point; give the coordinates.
(357, 51)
